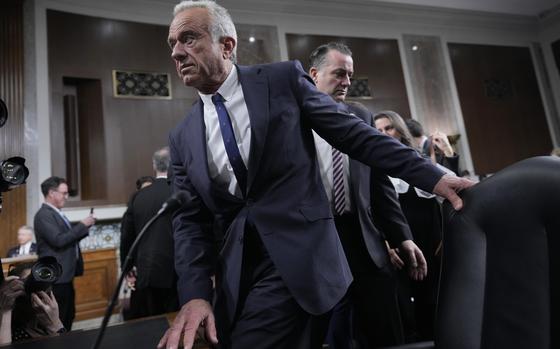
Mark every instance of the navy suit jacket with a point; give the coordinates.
(55, 238)
(376, 204)
(14, 251)
(285, 200)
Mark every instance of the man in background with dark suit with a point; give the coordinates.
(364, 205)
(26, 245)
(256, 214)
(57, 237)
(154, 279)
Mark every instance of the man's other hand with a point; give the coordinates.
(194, 315)
(449, 185)
(417, 266)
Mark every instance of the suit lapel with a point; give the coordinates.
(196, 137)
(255, 92)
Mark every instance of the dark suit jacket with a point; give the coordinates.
(154, 257)
(14, 251)
(285, 200)
(376, 204)
(55, 238)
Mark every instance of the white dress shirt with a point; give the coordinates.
(24, 249)
(219, 166)
(324, 157)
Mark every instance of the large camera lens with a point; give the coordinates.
(12, 172)
(44, 273)
(3, 113)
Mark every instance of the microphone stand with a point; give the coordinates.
(124, 268)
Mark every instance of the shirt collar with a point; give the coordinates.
(55, 208)
(226, 90)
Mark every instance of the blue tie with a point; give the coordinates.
(230, 144)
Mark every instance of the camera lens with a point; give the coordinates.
(44, 273)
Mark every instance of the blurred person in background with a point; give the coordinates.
(423, 213)
(437, 146)
(57, 237)
(26, 245)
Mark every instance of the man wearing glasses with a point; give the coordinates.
(57, 237)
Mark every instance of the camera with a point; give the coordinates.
(44, 273)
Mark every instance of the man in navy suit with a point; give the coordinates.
(25, 246)
(257, 216)
(369, 314)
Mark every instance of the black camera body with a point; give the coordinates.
(44, 273)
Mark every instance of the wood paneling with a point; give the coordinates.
(501, 129)
(90, 48)
(11, 135)
(378, 60)
(93, 157)
(95, 288)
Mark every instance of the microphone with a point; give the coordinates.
(174, 202)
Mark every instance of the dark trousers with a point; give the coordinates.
(369, 315)
(150, 301)
(64, 295)
(268, 317)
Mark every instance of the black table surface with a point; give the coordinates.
(139, 334)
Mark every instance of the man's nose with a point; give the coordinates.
(346, 81)
(178, 53)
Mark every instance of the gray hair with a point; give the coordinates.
(221, 23)
(161, 159)
(26, 227)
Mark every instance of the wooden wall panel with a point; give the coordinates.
(377, 59)
(501, 104)
(95, 288)
(12, 134)
(86, 47)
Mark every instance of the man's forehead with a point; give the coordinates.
(340, 59)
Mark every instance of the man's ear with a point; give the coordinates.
(313, 73)
(228, 45)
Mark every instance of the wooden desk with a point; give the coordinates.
(6, 262)
(95, 288)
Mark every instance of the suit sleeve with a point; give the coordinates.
(386, 208)
(128, 234)
(195, 251)
(48, 228)
(359, 140)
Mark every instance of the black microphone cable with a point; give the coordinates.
(171, 204)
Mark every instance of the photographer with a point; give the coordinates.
(34, 314)
(10, 289)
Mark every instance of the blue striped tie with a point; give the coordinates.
(338, 183)
(230, 144)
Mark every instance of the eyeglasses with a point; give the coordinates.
(63, 193)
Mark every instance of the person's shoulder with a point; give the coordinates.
(184, 123)
(14, 251)
(359, 110)
(44, 210)
(160, 187)
(275, 67)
